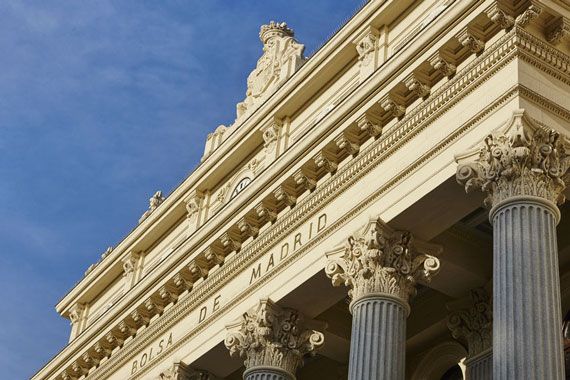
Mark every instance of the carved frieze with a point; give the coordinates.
(380, 260)
(522, 159)
(271, 336)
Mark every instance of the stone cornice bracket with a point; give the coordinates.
(269, 336)
(392, 107)
(471, 40)
(198, 268)
(471, 321)
(444, 64)
(380, 261)
(230, 242)
(182, 281)
(417, 85)
(500, 16)
(140, 317)
(305, 180)
(346, 144)
(558, 30)
(284, 197)
(323, 162)
(531, 13)
(367, 47)
(248, 227)
(370, 123)
(154, 201)
(521, 159)
(265, 212)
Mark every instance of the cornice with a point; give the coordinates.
(492, 60)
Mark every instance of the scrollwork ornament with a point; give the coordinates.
(272, 336)
(524, 161)
(473, 325)
(381, 261)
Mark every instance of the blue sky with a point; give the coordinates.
(101, 104)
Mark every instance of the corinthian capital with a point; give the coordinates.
(471, 321)
(521, 160)
(379, 260)
(271, 336)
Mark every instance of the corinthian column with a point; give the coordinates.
(523, 169)
(381, 268)
(272, 341)
(471, 322)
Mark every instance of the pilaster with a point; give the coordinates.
(272, 341)
(523, 169)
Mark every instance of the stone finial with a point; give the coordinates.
(521, 160)
(271, 336)
(380, 260)
(154, 201)
(472, 322)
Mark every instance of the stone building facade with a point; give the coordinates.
(390, 208)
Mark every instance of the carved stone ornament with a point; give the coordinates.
(473, 324)
(282, 56)
(558, 30)
(271, 336)
(531, 13)
(76, 312)
(379, 260)
(154, 201)
(194, 204)
(366, 47)
(181, 371)
(521, 160)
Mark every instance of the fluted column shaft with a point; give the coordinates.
(527, 338)
(378, 339)
(267, 374)
(480, 367)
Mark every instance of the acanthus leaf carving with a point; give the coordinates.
(472, 324)
(522, 160)
(271, 336)
(380, 260)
